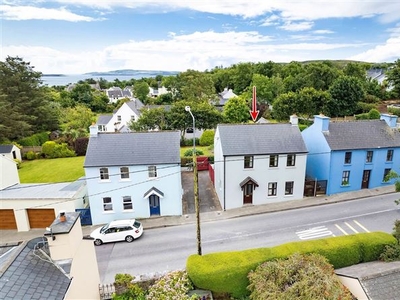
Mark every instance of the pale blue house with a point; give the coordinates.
(352, 155)
(133, 175)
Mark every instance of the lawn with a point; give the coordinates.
(207, 150)
(52, 170)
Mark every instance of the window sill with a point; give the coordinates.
(104, 180)
(125, 180)
(344, 185)
(128, 211)
(109, 212)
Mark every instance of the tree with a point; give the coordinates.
(300, 276)
(196, 86)
(320, 75)
(311, 102)
(141, 90)
(82, 94)
(346, 92)
(79, 117)
(236, 110)
(393, 77)
(267, 88)
(285, 105)
(357, 70)
(150, 119)
(26, 108)
(242, 75)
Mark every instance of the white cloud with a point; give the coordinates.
(299, 26)
(271, 20)
(32, 13)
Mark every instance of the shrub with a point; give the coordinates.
(30, 155)
(392, 252)
(394, 110)
(174, 285)
(81, 146)
(51, 149)
(374, 114)
(125, 289)
(35, 140)
(18, 162)
(189, 152)
(365, 107)
(300, 276)
(207, 138)
(226, 272)
(189, 142)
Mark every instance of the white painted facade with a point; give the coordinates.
(8, 172)
(122, 117)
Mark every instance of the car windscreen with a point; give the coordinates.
(104, 228)
(137, 224)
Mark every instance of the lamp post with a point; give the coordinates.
(196, 185)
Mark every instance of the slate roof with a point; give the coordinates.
(27, 276)
(104, 119)
(366, 134)
(380, 280)
(135, 105)
(135, 148)
(5, 148)
(65, 190)
(258, 139)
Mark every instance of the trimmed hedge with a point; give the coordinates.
(226, 272)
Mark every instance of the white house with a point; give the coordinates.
(157, 92)
(119, 121)
(8, 172)
(115, 93)
(259, 163)
(11, 151)
(133, 175)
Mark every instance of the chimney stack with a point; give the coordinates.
(63, 217)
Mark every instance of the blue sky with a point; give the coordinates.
(78, 36)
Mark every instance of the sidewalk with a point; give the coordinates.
(12, 236)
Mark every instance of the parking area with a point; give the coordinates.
(207, 196)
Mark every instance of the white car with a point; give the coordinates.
(128, 230)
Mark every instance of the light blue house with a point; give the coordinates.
(133, 175)
(352, 155)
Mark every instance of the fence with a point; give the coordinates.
(106, 291)
(26, 149)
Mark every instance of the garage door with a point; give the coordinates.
(41, 218)
(7, 219)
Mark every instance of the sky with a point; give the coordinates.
(80, 36)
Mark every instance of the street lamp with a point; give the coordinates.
(196, 184)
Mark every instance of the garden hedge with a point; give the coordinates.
(226, 272)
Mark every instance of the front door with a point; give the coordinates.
(248, 193)
(365, 179)
(154, 202)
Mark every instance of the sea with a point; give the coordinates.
(64, 80)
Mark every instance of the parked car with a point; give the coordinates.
(115, 231)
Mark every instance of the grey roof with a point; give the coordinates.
(258, 139)
(136, 148)
(30, 275)
(152, 191)
(104, 119)
(380, 280)
(135, 105)
(367, 134)
(65, 190)
(5, 148)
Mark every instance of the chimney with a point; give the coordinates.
(322, 122)
(93, 130)
(63, 217)
(294, 120)
(391, 120)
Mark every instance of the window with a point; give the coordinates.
(107, 204)
(386, 173)
(101, 128)
(104, 174)
(272, 188)
(119, 118)
(291, 160)
(133, 118)
(389, 155)
(152, 171)
(124, 172)
(369, 156)
(127, 202)
(347, 158)
(289, 187)
(345, 177)
(273, 161)
(248, 162)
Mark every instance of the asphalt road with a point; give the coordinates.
(165, 249)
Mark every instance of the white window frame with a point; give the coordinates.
(272, 189)
(107, 201)
(126, 201)
(152, 171)
(104, 174)
(124, 173)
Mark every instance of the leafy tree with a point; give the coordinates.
(267, 88)
(25, 107)
(141, 90)
(79, 117)
(285, 105)
(301, 276)
(357, 70)
(196, 86)
(393, 77)
(222, 79)
(311, 102)
(320, 75)
(242, 75)
(150, 119)
(267, 69)
(82, 94)
(236, 110)
(346, 92)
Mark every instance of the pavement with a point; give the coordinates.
(12, 236)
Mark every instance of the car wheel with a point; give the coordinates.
(98, 242)
(129, 239)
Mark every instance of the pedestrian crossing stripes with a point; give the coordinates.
(322, 231)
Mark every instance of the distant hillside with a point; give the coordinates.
(130, 72)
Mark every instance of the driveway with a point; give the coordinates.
(207, 196)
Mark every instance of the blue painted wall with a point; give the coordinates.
(168, 181)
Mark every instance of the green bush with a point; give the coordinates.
(374, 114)
(189, 152)
(300, 276)
(207, 138)
(125, 289)
(30, 155)
(51, 149)
(393, 110)
(189, 142)
(365, 107)
(37, 139)
(226, 272)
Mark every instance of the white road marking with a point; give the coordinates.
(314, 232)
(365, 229)
(351, 227)
(341, 229)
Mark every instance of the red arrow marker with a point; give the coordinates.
(253, 112)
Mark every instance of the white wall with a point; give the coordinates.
(8, 172)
